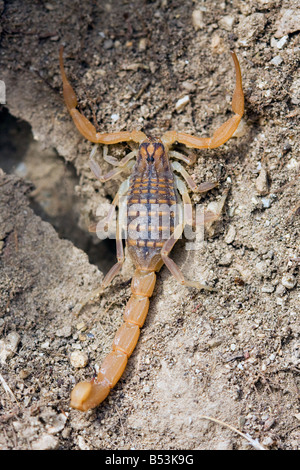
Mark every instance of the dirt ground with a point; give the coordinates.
(234, 354)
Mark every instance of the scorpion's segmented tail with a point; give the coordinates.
(88, 395)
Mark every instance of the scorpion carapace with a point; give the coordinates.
(154, 196)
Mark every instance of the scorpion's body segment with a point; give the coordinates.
(152, 191)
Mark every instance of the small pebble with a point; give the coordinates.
(57, 423)
(189, 86)
(197, 19)
(78, 359)
(213, 343)
(216, 43)
(45, 442)
(261, 267)
(267, 441)
(181, 103)
(82, 444)
(227, 22)
(9, 346)
(81, 326)
(280, 290)
(288, 281)
(230, 235)
(108, 44)
(143, 44)
(295, 91)
(242, 129)
(277, 60)
(225, 260)
(262, 182)
(24, 373)
(266, 202)
(49, 6)
(268, 289)
(281, 43)
(21, 170)
(288, 23)
(64, 332)
(115, 117)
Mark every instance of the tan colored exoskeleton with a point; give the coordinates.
(151, 189)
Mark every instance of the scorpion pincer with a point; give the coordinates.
(151, 191)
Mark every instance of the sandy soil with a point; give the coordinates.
(233, 355)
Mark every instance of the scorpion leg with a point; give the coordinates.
(114, 161)
(107, 279)
(223, 133)
(188, 159)
(189, 180)
(119, 247)
(84, 126)
(207, 217)
(172, 266)
(122, 165)
(111, 174)
(202, 188)
(188, 212)
(109, 159)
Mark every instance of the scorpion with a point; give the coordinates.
(151, 187)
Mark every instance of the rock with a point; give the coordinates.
(8, 346)
(261, 267)
(217, 44)
(143, 43)
(268, 288)
(242, 129)
(288, 23)
(250, 27)
(288, 281)
(227, 22)
(82, 444)
(266, 202)
(197, 19)
(181, 103)
(78, 359)
(280, 290)
(295, 91)
(108, 44)
(115, 117)
(230, 235)
(190, 87)
(225, 260)
(281, 43)
(262, 182)
(45, 442)
(64, 332)
(277, 60)
(57, 423)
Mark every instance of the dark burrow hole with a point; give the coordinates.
(53, 197)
